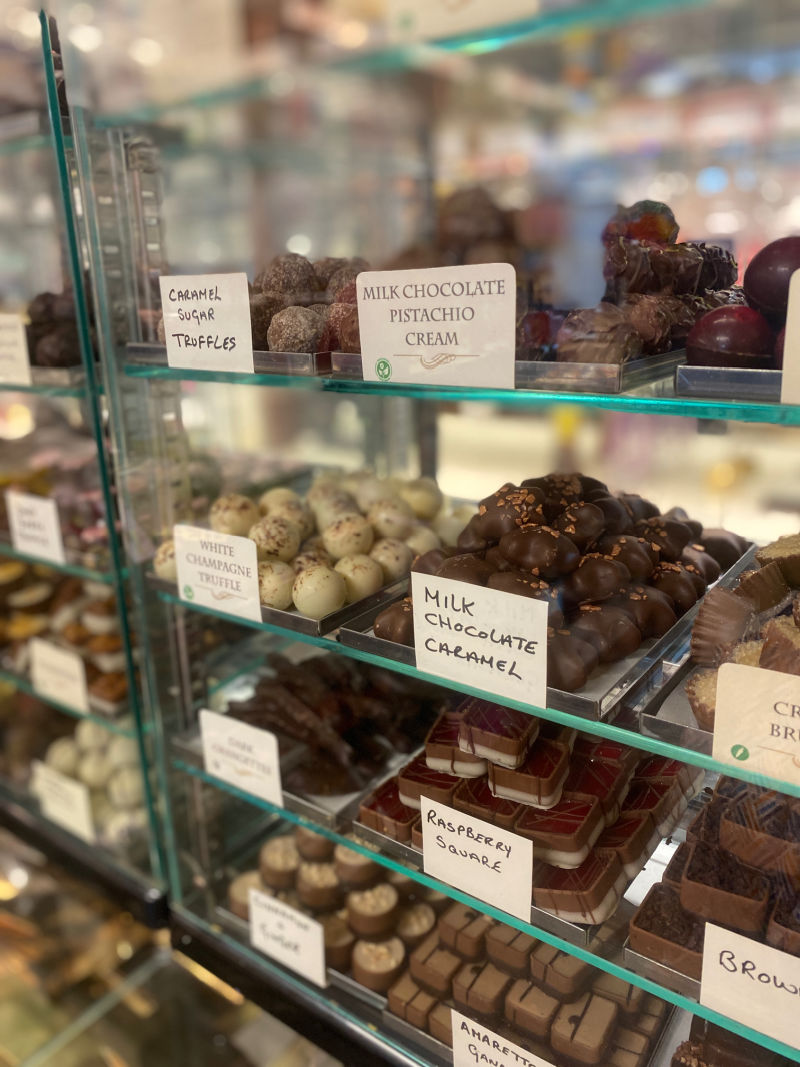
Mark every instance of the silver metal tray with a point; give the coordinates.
(728, 383)
(660, 973)
(296, 364)
(301, 624)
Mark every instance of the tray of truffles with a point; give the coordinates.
(594, 809)
(750, 617)
(340, 726)
(620, 578)
(345, 546)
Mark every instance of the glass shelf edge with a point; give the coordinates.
(73, 569)
(25, 686)
(43, 390)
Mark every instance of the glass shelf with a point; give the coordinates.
(24, 685)
(610, 964)
(73, 569)
(43, 390)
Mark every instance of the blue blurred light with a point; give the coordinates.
(711, 180)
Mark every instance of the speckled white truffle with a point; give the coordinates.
(123, 752)
(423, 495)
(164, 562)
(310, 558)
(464, 512)
(233, 514)
(326, 485)
(275, 538)
(391, 517)
(91, 736)
(370, 491)
(268, 501)
(318, 591)
(394, 557)
(63, 756)
(101, 810)
(123, 826)
(126, 789)
(448, 527)
(334, 507)
(94, 770)
(297, 512)
(422, 539)
(363, 576)
(350, 536)
(275, 581)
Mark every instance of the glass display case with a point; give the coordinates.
(317, 746)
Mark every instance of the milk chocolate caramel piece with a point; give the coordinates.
(339, 941)
(650, 610)
(629, 998)
(433, 966)
(564, 834)
(493, 732)
(632, 839)
(559, 490)
(596, 578)
(414, 923)
(442, 752)
(628, 1048)
(637, 553)
(665, 932)
(663, 801)
(474, 797)
(582, 1030)
(239, 892)
(570, 661)
(559, 973)
(582, 522)
(602, 779)
(696, 556)
(385, 812)
(638, 507)
(521, 583)
(538, 781)
(464, 930)
(371, 913)
(679, 583)
(417, 780)
(723, 619)
(540, 550)
(616, 515)
(408, 1001)
(480, 989)
(610, 630)
(278, 862)
(467, 567)
(507, 509)
(440, 1024)
(396, 623)
(529, 1008)
(588, 894)
(510, 949)
(377, 964)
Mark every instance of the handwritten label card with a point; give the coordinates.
(757, 720)
(217, 570)
(415, 20)
(15, 364)
(753, 983)
(63, 800)
(288, 936)
(35, 526)
(442, 326)
(242, 755)
(790, 380)
(473, 1043)
(482, 637)
(207, 321)
(478, 858)
(59, 674)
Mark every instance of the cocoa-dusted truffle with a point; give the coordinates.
(263, 308)
(333, 321)
(325, 268)
(541, 550)
(349, 333)
(344, 276)
(396, 623)
(295, 329)
(288, 273)
(598, 335)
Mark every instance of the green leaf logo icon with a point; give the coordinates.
(739, 752)
(383, 369)
(188, 592)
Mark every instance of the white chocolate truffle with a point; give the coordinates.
(233, 514)
(353, 480)
(448, 527)
(350, 536)
(392, 517)
(310, 558)
(101, 810)
(123, 826)
(126, 789)
(318, 591)
(164, 562)
(370, 491)
(94, 770)
(123, 752)
(394, 557)
(275, 538)
(325, 487)
(270, 500)
(423, 495)
(464, 512)
(275, 580)
(422, 539)
(297, 512)
(363, 576)
(63, 756)
(337, 507)
(91, 736)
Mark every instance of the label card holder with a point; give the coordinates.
(483, 637)
(790, 377)
(242, 755)
(15, 363)
(59, 674)
(288, 936)
(35, 526)
(475, 1044)
(421, 20)
(217, 570)
(478, 858)
(207, 322)
(63, 800)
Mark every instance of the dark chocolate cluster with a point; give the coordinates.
(613, 570)
(52, 331)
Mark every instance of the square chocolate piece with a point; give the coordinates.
(499, 734)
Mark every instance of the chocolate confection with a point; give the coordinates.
(665, 769)
(523, 584)
(670, 536)
(396, 623)
(287, 273)
(697, 556)
(318, 886)
(339, 940)
(582, 523)
(295, 329)
(474, 797)
(430, 562)
(765, 588)
(510, 949)
(416, 779)
(628, 1048)
(632, 839)
(636, 553)
(509, 508)
(629, 998)
(652, 611)
(440, 1024)
(610, 630)
(763, 831)
(710, 1045)
(540, 550)
(538, 781)
(583, 1029)
(646, 220)
(639, 508)
(649, 1020)
(560, 490)
(263, 307)
(354, 869)
(528, 1007)
(493, 732)
(781, 651)
(589, 894)
(570, 661)
(385, 812)
(718, 887)
(377, 964)
(597, 335)
(701, 691)
(371, 913)
(480, 988)
(433, 966)
(663, 930)
(678, 583)
(558, 972)
(466, 568)
(598, 778)
(414, 923)
(464, 930)
(595, 578)
(407, 1000)
(563, 835)
(239, 892)
(442, 752)
(725, 547)
(719, 266)
(664, 802)
(783, 927)
(588, 747)
(651, 317)
(616, 515)
(722, 620)
(278, 862)
(313, 846)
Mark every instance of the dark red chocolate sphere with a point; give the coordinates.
(731, 336)
(766, 280)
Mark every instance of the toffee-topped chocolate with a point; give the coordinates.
(678, 583)
(506, 509)
(611, 631)
(540, 550)
(596, 577)
(637, 553)
(583, 523)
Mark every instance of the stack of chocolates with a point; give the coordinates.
(739, 868)
(595, 810)
(755, 623)
(613, 570)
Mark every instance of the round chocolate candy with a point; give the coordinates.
(470, 540)
(724, 546)
(670, 536)
(639, 555)
(541, 550)
(558, 490)
(582, 523)
(396, 623)
(295, 329)
(677, 583)
(611, 631)
(680, 515)
(523, 584)
(288, 273)
(466, 568)
(616, 515)
(430, 562)
(696, 556)
(507, 509)
(651, 610)
(638, 507)
(570, 661)
(595, 578)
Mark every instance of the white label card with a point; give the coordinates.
(495, 641)
(753, 983)
(474, 1044)
(757, 720)
(59, 674)
(63, 800)
(207, 321)
(790, 379)
(441, 326)
(242, 755)
(217, 570)
(35, 526)
(286, 935)
(15, 364)
(414, 20)
(478, 858)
